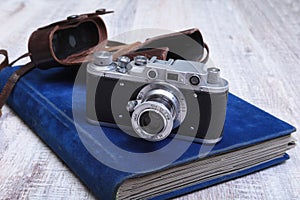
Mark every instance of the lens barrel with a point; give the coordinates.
(154, 117)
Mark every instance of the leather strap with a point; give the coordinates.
(119, 46)
(13, 79)
(19, 58)
(126, 49)
(4, 63)
(112, 43)
(205, 59)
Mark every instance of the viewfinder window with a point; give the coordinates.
(172, 77)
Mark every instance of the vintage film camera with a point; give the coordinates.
(155, 98)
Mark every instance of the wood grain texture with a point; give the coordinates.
(255, 43)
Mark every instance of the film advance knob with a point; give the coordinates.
(103, 58)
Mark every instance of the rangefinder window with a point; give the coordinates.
(74, 40)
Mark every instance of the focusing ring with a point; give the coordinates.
(180, 109)
(160, 109)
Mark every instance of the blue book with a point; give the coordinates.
(114, 165)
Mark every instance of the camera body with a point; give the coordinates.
(154, 98)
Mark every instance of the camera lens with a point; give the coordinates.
(151, 122)
(160, 108)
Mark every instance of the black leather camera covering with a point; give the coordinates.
(103, 106)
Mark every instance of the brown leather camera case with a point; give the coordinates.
(69, 41)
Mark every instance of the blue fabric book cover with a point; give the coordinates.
(114, 165)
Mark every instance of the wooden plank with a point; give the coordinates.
(255, 43)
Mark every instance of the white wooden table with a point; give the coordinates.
(255, 43)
